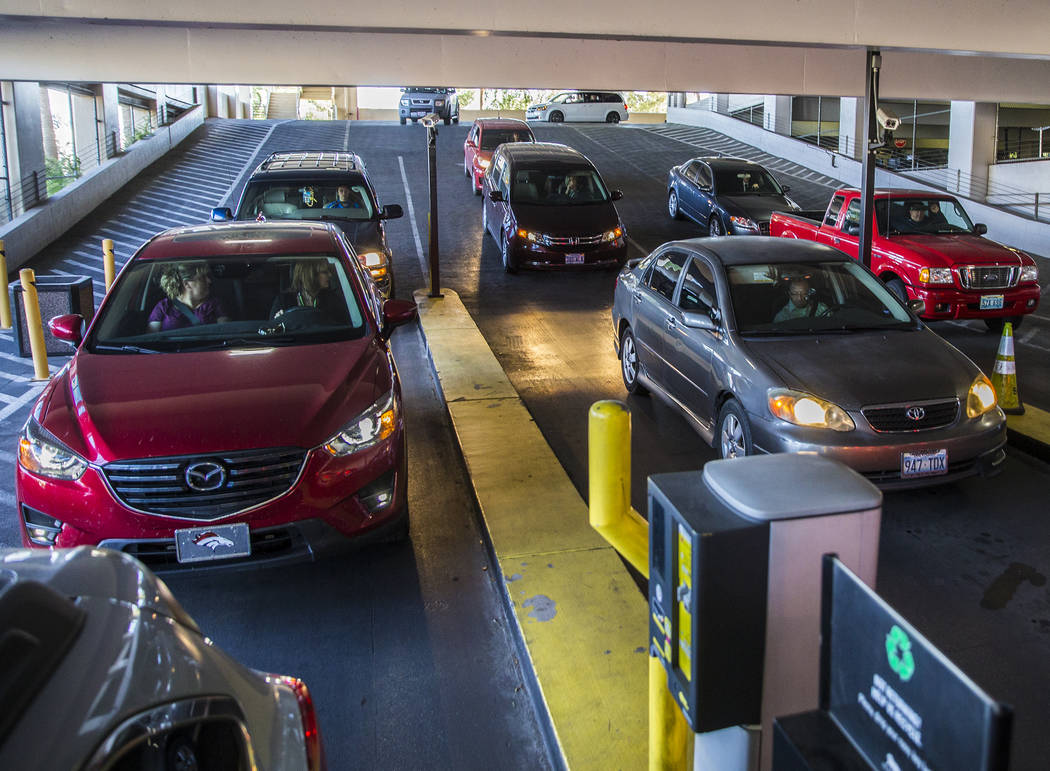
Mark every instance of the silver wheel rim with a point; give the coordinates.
(732, 436)
(630, 360)
(716, 228)
(484, 218)
(672, 203)
(506, 253)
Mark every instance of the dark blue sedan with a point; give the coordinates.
(728, 196)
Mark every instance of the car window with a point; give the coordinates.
(210, 303)
(703, 175)
(301, 200)
(851, 222)
(664, 273)
(690, 170)
(561, 99)
(834, 207)
(921, 216)
(698, 288)
(558, 186)
(746, 181)
(493, 138)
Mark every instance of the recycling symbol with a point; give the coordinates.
(898, 650)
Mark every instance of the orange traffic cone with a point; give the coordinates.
(1004, 376)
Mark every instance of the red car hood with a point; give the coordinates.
(949, 250)
(109, 407)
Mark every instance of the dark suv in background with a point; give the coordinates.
(417, 101)
(323, 186)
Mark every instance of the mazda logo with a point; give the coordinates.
(205, 476)
(915, 413)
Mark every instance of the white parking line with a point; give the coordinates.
(26, 398)
(637, 246)
(25, 362)
(412, 218)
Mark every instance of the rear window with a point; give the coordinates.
(284, 200)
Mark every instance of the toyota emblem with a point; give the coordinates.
(915, 413)
(205, 476)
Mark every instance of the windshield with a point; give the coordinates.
(493, 138)
(747, 181)
(811, 297)
(227, 303)
(921, 216)
(558, 187)
(286, 200)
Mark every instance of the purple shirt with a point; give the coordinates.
(170, 317)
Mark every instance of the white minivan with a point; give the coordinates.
(597, 106)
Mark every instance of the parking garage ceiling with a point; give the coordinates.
(953, 49)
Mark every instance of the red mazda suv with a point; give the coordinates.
(483, 138)
(234, 399)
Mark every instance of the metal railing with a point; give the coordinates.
(1028, 150)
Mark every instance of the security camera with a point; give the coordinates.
(887, 119)
(430, 120)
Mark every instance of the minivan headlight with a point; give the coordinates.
(612, 235)
(541, 107)
(41, 452)
(404, 103)
(366, 430)
(808, 410)
(981, 397)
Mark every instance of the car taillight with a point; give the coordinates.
(311, 731)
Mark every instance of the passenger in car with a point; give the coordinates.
(187, 286)
(311, 288)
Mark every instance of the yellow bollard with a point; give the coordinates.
(5, 301)
(108, 261)
(34, 324)
(609, 459)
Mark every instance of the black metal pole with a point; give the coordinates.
(873, 63)
(435, 274)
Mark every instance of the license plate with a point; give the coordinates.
(574, 259)
(991, 302)
(419, 113)
(214, 542)
(925, 464)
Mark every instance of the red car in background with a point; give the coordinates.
(485, 136)
(234, 399)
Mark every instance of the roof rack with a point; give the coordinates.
(312, 159)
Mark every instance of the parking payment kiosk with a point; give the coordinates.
(735, 587)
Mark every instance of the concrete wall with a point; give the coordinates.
(1002, 226)
(24, 236)
(1033, 176)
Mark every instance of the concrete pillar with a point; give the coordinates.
(851, 126)
(244, 101)
(777, 114)
(109, 118)
(160, 105)
(346, 103)
(971, 146)
(29, 145)
(722, 103)
(216, 102)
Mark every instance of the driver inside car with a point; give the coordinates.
(311, 288)
(802, 302)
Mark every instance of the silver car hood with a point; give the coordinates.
(859, 369)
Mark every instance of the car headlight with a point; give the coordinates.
(531, 235)
(439, 103)
(935, 276)
(808, 410)
(541, 107)
(612, 235)
(41, 452)
(404, 103)
(981, 397)
(1029, 273)
(374, 262)
(369, 428)
(484, 163)
(745, 223)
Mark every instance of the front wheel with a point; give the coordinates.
(672, 205)
(629, 364)
(466, 169)
(613, 117)
(509, 265)
(556, 117)
(896, 286)
(456, 120)
(714, 227)
(996, 325)
(403, 121)
(447, 121)
(734, 432)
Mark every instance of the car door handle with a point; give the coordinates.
(671, 323)
(637, 297)
(837, 241)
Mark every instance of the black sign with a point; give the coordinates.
(903, 704)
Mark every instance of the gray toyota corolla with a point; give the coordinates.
(777, 345)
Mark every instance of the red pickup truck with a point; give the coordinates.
(924, 247)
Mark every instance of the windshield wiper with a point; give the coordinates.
(125, 348)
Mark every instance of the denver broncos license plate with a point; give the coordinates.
(214, 542)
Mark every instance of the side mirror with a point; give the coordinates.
(221, 214)
(918, 307)
(68, 328)
(633, 262)
(496, 195)
(785, 188)
(616, 195)
(980, 228)
(698, 321)
(391, 211)
(396, 313)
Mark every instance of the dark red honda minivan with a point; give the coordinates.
(234, 399)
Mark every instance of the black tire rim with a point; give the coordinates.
(556, 117)
(612, 118)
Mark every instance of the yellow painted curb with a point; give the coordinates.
(1035, 423)
(583, 621)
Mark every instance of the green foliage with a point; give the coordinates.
(513, 98)
(61, 171)
(465, 96)
(646, 101)
(316, 109)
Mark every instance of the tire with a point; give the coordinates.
(456, 120)
(733, 437)
(896, 286)
(996, 325)
(509, 265)
(414, 121)
(714, 226)
(672, 205)
(466, 169)
(556, 117)
(447, 121)
(403, 121)
(484, 221)
(477, 188)
(629, 364)
(613, 117)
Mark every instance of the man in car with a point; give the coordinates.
(802, 302)
(345, 199)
